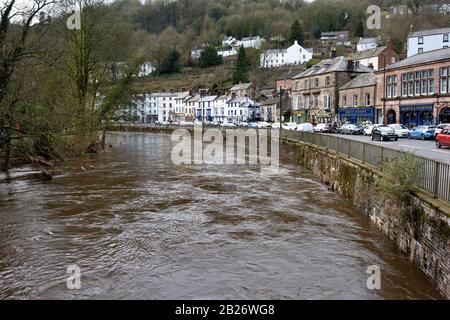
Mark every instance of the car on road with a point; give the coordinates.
(324, 128)
(369, 128)
(422, 132)
(384, 133)
(443, 139)
(276, 125)
(262, 125)
(351, 129)
(441, 127)
(305, 127)
(228, 125)
(401, 130)
(290, 126)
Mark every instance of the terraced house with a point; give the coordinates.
(416, 91)
(315, 92)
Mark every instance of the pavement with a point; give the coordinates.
(426, 149)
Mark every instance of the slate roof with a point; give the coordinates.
(241, 86)
(430, 56)
(368, 41)
(289, 75)
(368, 53)
(428, 32)
(363, 80)
(338, 64)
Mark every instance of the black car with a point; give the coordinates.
(384, 133)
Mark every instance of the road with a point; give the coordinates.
(426, 149)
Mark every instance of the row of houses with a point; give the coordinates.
(235, 107)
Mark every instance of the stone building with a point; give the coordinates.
(357, 99)
(416, 91)
(378, 57)
(315, 92)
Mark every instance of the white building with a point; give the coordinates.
(220, 108)
(146, 69)
(227, 52)
(145, 110)
(241, 109)
(367, 44)
(190, 107)
(251, 42)
(229, 41)
(294, 55)
(204, 110)
(180, 106)
(196, 53)
(428, 40)
(165, 105)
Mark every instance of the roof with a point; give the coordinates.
(334, 33)
(241, 100)
(368, 53)
(250, 38)
(428, 32)
(339, 64)
(270, 101)
(363, 80)
(368, 41)
(207, 98)
(165, 94)
(274, 51)
(241, 86)
(195, 98)
(421, 58)
(289, 75)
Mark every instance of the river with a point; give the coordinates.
(139, 227)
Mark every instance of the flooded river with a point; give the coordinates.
(139, 227)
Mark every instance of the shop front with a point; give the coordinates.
(416, 115)
(356, 115)
(444, 116)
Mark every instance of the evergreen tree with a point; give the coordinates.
(359, 32)
(242, 65)
(209, 57)
(296, 33)
(171, 64)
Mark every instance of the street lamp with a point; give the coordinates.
(384, 88)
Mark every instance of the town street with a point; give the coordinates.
(426, 149)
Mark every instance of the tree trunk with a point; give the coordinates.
(7, 155)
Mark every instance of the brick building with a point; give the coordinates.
(415, 91)
(378, 57)
(285, 81)
(357, 99)
(315, 92)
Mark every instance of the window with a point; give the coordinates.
(306, 84)
(445, 80)
(445, 38)
(326, 102)
(327, 81)
(420, 50)
(355, 100)
(344, 101)
(316, 82)
(391, 88)
(420, 40)
(368, 99)
(316, 102)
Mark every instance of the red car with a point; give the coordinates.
(443, 139)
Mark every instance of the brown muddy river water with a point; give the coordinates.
(140, 227)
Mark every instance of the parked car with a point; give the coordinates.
(305, 127)
(369, 128)
(440, 128)
(252, 125)
(351, 129)
(443, 138)
(276, 125)
(422, 132)
(290, 126)
(262, 125)
(324, 128)
(384, 133)
(400, 130)
(228, 125)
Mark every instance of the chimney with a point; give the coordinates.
(233, 95)
(389, 43)
(333, 53)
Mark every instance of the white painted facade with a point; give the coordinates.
(429, 40)
(146, 69)
(227, 52)
(251, 42)
(367, 44)
(294, 55)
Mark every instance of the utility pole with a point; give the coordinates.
(281, 110)
(384, 90)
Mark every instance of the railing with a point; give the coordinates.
(435, 176)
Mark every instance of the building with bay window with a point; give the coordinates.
(315, 92)
(415, 91)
